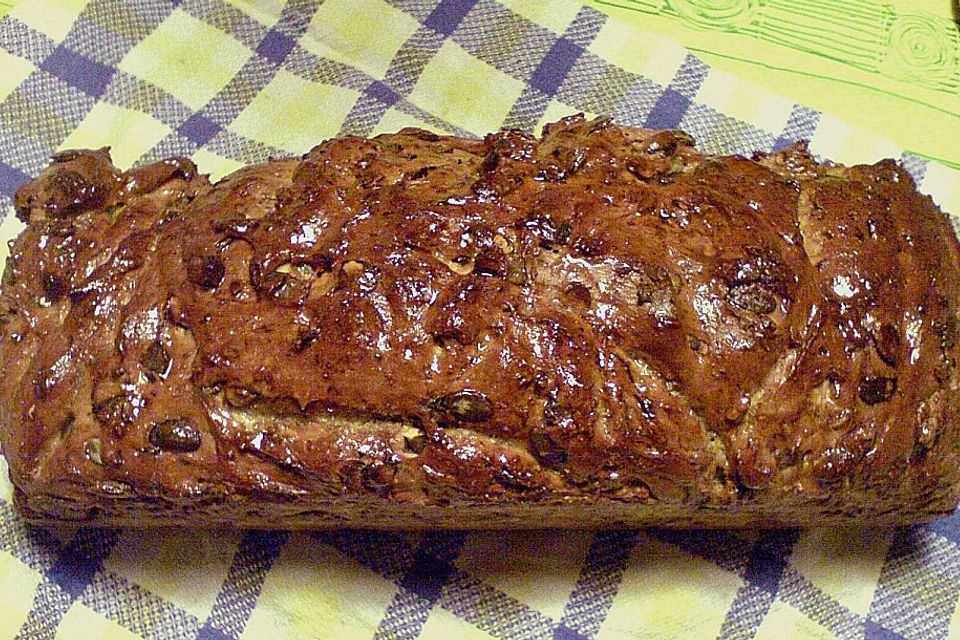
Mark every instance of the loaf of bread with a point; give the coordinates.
(600, 327)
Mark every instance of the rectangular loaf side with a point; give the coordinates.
(598, 327)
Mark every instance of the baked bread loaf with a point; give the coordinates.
(599, 327)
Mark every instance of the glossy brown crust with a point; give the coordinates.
(599, 327)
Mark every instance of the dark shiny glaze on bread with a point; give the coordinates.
(598, 327)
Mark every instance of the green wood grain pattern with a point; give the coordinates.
(893, 66)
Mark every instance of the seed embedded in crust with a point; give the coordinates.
(156, 359)
(205, 271)
(546, 450)
(468, 406)
(877, 389)
(94, 452)
(175, 435)
(53, 286)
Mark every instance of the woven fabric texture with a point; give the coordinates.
(229, 83)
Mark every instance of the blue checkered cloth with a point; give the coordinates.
(231, 83)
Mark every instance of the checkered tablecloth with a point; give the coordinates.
(229, 83)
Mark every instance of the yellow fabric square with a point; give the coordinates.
(81, 621)
(954, 631)
(868, 147)
(668, 594)
(362, 33)
(129, 133)
(394, 120)
(18, 584)
(841, 142)
(943, 183)
(465, 91)
(555, 16)
(266, 12)
(726, 93)
(50, 17)
(215, 165)
(313, 591)
(189, 58)
(783, 621)
(830, 138)
(181, 566)
(556, 110)
(443, 625)
(295, 114)
(6, 487)
(506, 560)
(844, 563)
(15, 71)
(652, 55)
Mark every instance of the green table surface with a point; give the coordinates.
(893, 67)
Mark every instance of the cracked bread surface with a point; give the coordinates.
(597, 327)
